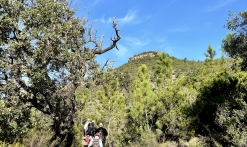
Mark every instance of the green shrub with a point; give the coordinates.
(17, 144)
(194, 142)
(147, 139)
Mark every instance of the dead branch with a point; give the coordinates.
(98, 45)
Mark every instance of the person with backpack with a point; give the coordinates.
(86, 126)
(96, 141)
(91, 129)
(86, 137)
(103, 134)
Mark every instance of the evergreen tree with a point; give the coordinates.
(43, 59)
(112, 109)
(173, 110)
(13, 118)
(210, 53)
(163, 68)
(172, 117)
(235, 44)
(143, 104)
(225, 95)
(210, 57)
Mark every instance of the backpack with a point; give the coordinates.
(95, 143)
(87, 140)
(91, 131)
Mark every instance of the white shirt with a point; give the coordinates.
(86, 126)
(96, 137)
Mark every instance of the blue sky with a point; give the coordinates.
(181, 28)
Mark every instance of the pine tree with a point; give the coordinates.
(210, 57)
(210, 53)
(235, 44)
(112, 108)
(173, 108)
(173, 101)
(163, 68)
(143, 103)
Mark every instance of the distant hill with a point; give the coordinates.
(184, 67)
(128, 71)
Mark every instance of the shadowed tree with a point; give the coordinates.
(225, 95)
(43, 59)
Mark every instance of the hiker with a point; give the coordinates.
(103, 134)
(91, 129)
(96, 141)
(86, 137)
(86, 140)
(86, 126)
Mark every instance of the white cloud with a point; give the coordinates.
(184, 28)
(134, 41)
(103, 20)
(130, 18)
(220, 4)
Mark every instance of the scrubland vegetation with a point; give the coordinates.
(50, 84)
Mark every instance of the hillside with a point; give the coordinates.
(180, 67)
(128, 71)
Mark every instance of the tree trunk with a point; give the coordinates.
(146, 113)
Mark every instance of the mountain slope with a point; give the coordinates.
(184, 67)
(128, 72)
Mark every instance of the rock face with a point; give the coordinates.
(144, 55)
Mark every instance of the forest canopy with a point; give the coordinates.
(43, 61)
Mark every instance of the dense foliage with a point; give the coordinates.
(43, 61)
(51, 84)
(235, 44)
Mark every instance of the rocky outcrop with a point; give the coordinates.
(144, 55)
